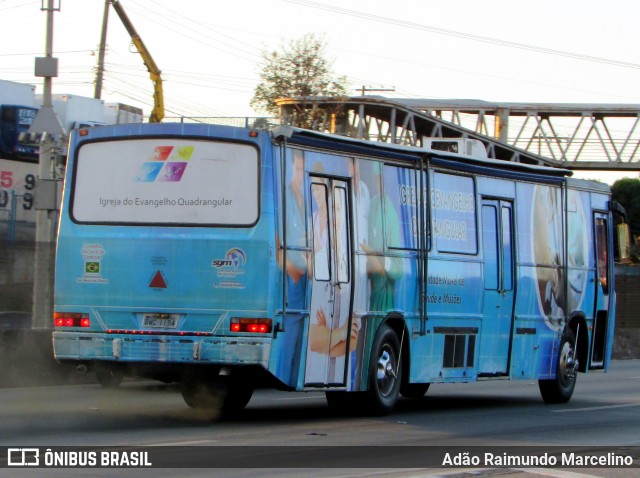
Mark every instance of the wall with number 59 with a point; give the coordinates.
(20, 178)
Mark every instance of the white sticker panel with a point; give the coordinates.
(166, 181)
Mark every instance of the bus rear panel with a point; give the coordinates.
(155, 244)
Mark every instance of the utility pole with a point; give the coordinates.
(47, 126)
(101, 51)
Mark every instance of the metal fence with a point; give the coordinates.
(256, 122)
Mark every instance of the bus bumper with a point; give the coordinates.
(158, 348)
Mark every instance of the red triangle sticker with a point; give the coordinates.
(158, 281)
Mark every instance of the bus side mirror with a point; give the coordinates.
(622, 234)
(624, 241)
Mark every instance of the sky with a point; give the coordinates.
(547, 51)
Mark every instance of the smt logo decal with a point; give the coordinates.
(234, 259)
(229, 268)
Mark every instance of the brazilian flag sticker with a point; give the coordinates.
(92, 268)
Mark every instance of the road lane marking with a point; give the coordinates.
(603, 407)
(489, 472)
(555, 473)
(184, 443)
(317, 397)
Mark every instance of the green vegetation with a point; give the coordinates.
(300, 69)
(626, 191)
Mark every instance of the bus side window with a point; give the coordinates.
(490, 242)
(320, 224)
(8, 115)
(401, 202)
(342, 238)
(453, 213)
(602, 253)
(295, 197)
(507, 249)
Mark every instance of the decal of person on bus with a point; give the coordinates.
(383, 270)
(547, 249)
(330, 331)
(296, 269)
(547, 252)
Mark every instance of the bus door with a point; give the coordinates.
(498, 248)
(602, 284)
(331, 283)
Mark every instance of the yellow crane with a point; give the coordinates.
(154, 72)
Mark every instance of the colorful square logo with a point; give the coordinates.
(148, 172)
(161, 153)
(172, 172)
(183, 153)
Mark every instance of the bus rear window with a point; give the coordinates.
(166, 181)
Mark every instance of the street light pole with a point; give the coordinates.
(47, 126)
(101, 52)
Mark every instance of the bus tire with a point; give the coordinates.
(385, 375)
(238, 396)
(560, 389)
(216, 395)
(201, 394)
(108, 377)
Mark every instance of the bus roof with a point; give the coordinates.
(315, 139)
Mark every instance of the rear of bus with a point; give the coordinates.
(164, 250)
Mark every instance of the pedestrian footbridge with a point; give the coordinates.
(603, 137)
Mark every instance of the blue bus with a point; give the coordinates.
(15, 120)
(227, 259)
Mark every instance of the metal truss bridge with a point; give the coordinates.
(603, 137)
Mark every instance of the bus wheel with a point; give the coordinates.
(215, 395)
(109, 378)
(385, 375)
(560, 389)
(237, 397)
(199, 394)
(414, 390)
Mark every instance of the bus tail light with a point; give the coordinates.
(71, 319)
(254, 326)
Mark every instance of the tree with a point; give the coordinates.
(299, 70)
(626, 191)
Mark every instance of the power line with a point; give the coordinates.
(468, 36)
(39, 53)
(209, 27)
(17, 6)
(527, 81)
(238, 53)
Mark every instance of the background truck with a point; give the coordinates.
(77, 111)
(19, 107)
(118, 113)
(17, 112)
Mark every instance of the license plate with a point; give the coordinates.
(160, 321)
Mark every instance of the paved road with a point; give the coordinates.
(605, 411)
